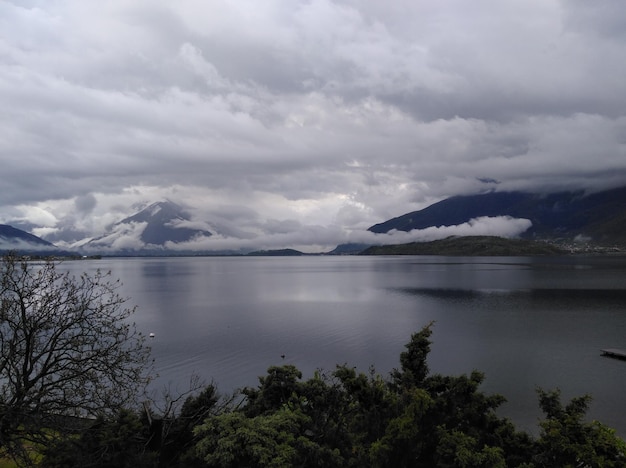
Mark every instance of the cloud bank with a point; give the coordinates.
(311, 239)
(303, 118)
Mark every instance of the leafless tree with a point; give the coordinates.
(68, 352)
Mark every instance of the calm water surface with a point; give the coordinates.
(524, 322)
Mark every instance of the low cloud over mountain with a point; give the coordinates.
(299, 123)
(165, 228)
(13, 239)
(159, 226)
(599, 216)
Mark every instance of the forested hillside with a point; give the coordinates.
(470, 246)
(599, 216)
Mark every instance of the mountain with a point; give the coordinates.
(276, 253)
(468, 246)
(148, 230)
(164, 221)
(13, 239)
(349, 249)
(600, 216)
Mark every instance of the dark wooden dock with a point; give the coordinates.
(614, 353)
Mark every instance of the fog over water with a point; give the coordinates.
(524, 322)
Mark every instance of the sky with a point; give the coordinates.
(301, 123)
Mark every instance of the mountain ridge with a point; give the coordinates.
(492, 246)
(152, 228)
(10, 232)
(165, 228)
(21, 242)
(600, 216)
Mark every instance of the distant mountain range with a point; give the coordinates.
(150, 231)
(600, 216)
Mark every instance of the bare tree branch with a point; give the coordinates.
(67, 349)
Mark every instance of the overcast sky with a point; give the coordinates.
(294, 123)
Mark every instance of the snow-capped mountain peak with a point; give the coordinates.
(151, 228)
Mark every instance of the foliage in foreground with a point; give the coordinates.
(352, 419)
(68, 352)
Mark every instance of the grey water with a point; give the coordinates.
(525, 322)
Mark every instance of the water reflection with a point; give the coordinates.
(525, 322)
(594, 297)
(523, 338)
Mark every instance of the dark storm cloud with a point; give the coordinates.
(605, 19)
(85, 204)
(317, 116)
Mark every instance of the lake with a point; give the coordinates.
(524, 322)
